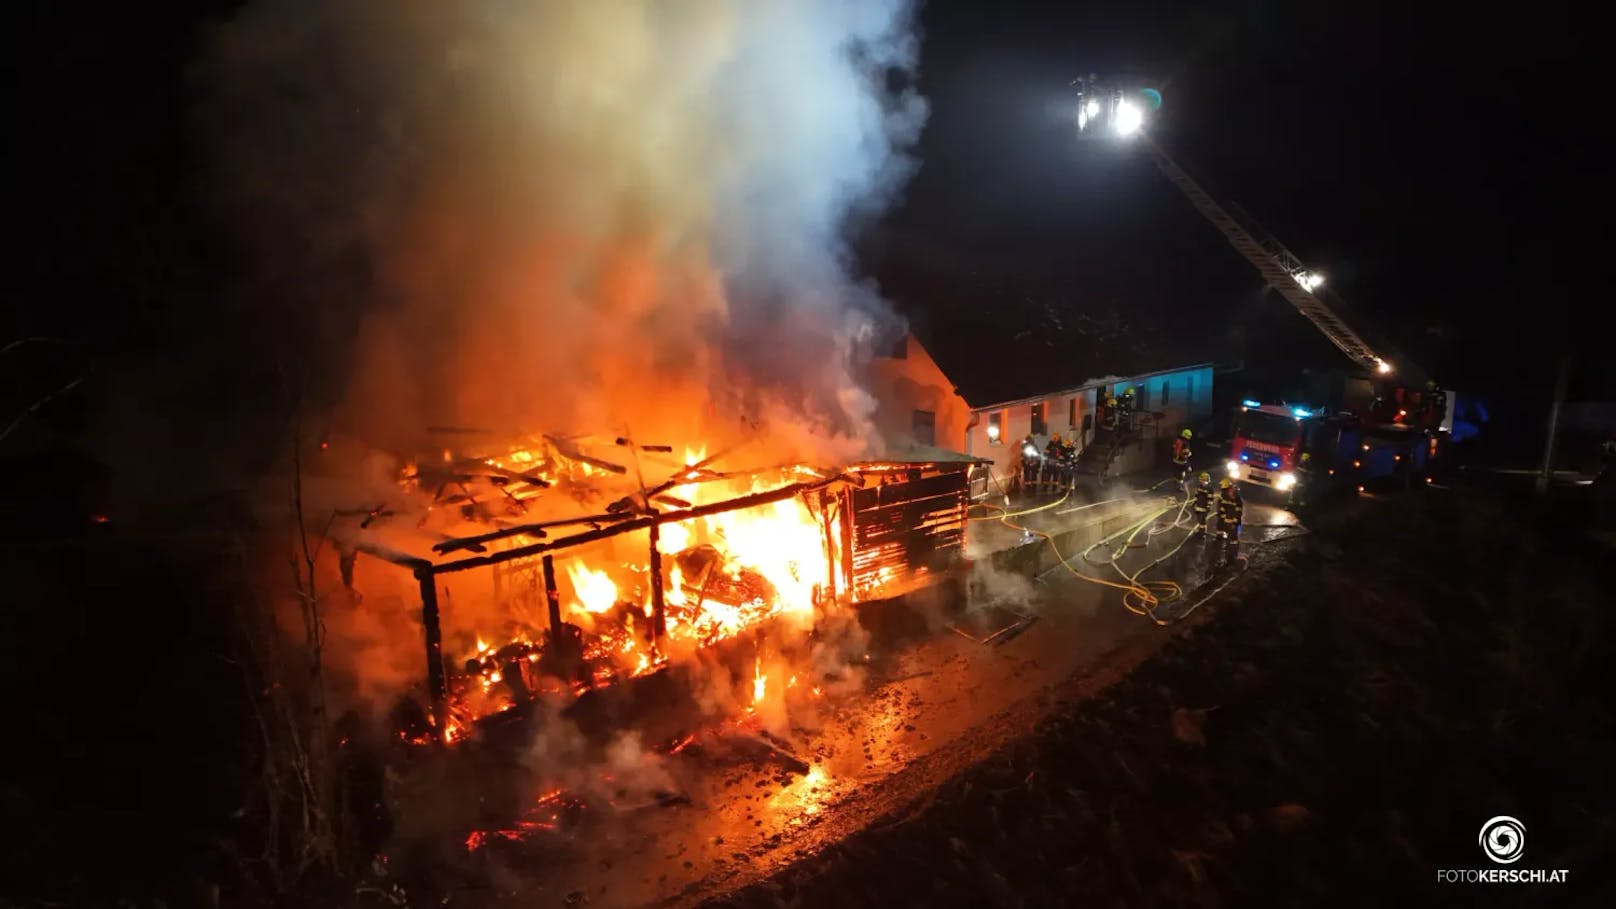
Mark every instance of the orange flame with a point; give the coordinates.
(595, 589)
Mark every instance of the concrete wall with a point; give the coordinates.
(910, 382)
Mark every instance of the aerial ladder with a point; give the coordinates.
(1283, 271)
(1395, 432)
(1121, 113)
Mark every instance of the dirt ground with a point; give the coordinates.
(1336, 733)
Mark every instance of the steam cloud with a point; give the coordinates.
(570, 216)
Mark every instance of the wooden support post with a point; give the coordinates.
(828, 601)
(437, 685)
(848, 521)
(552, 597)
(659, 620)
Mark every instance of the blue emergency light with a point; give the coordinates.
(1245, 455)
(1273, 463)
(1250, 403)
(1302, 412)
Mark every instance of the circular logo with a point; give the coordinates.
(1503, 839)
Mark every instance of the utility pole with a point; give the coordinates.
(1554, 425)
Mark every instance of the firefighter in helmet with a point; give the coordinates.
(1436, 405)
(1055, 460)
(1181, 452)
(1306, 476)
(1125, 412)
(1029, 462)
(1231, 512)
(1201, 501)
(1109, 419)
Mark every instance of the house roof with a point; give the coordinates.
(990, 370)
(999, 337)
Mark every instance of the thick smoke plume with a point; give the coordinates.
(569, 217)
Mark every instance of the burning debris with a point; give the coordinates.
(524, 598)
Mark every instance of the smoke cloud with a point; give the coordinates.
(569, 217)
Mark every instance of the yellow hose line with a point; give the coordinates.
(1138, 597)
(1133, 587)
(1014, 514)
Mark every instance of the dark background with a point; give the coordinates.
(1438, 166)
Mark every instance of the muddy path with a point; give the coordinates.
(1336, 731)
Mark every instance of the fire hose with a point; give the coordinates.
(1139, 597)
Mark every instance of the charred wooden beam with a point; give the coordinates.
(659, 621)
(626, 442)
(566, 450)
(552, 596)
(436, 683)
(533, 530)
(389, 554)
(641, 523)
(507, 474)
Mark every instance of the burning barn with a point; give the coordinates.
(559, 566)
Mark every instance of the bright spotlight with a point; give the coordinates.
(1128, 118)
(1382, 367)
(1310, 280)
(1092, 108)
(1233, 467)
(1286, 481)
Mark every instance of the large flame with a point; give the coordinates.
(595, 589)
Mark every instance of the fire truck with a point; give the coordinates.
(1270, 439)
(1385, 422)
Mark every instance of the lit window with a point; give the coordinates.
(1040, 426)
(996, 428)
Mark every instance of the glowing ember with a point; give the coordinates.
(760, 682)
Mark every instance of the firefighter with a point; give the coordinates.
(1306, 476)
(1181, 453)
(1201, 502)
(1029, 462)
(1436, 405)
(1055, 460)
(1126, 408)
(1109, 418)
(1231, 515)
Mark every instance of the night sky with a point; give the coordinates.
(1441, 170)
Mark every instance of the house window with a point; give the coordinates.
(1144, 396)
(1167, 384)
(925, 427)
(1189, 387)
(1071, 413)
(1040, 426)
(996, 428)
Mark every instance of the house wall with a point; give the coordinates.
(1059, 417)
(913, 382)
(1188, 396)
(1188, 402)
